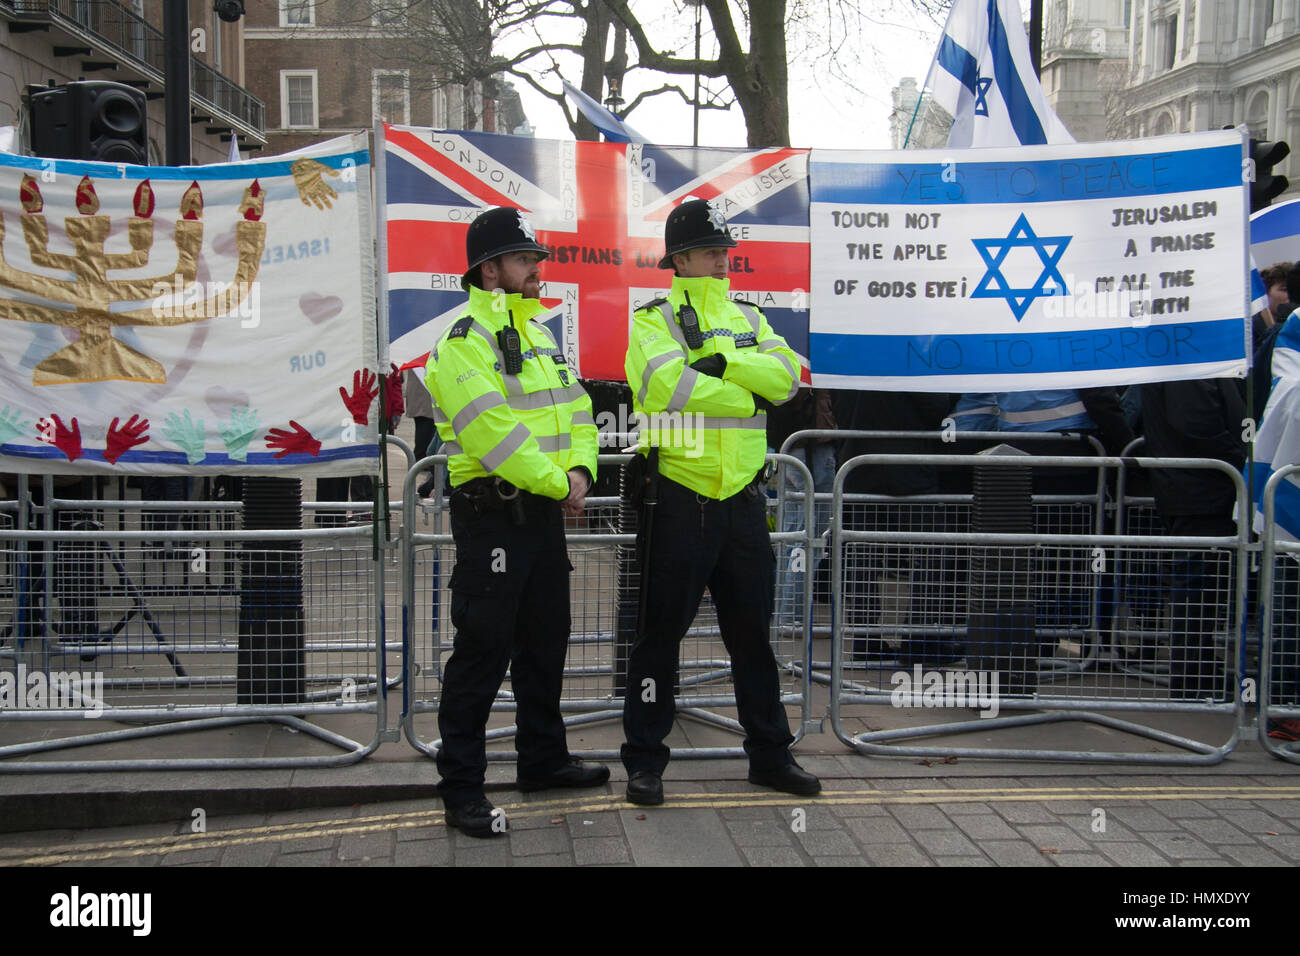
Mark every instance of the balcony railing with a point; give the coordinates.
(114, 28)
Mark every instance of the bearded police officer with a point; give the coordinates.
(522, 447)
(717, 361)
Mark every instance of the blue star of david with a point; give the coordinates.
(982, 85)
(993, 285)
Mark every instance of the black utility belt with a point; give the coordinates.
(754, 489)
(497, 494)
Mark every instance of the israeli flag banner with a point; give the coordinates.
(982, 74)
(1278, 442)
(1056, 266)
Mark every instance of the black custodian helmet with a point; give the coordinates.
(695, 224)
(494, 232)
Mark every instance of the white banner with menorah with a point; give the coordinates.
(189, 320)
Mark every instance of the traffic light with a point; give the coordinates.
(1265, 187)
(91, 119)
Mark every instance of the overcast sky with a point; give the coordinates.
(835, 102)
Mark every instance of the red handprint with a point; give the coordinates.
(124, 439)
(67, 440)
(394, 404)
(297, 440)
(363, 393)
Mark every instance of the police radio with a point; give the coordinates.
(690, 324)
(508, 339)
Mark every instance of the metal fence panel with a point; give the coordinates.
(603, 597)
(935, 614)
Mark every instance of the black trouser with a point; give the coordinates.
(723, 545)
(510, 607)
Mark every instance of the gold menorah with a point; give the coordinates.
(96, 355)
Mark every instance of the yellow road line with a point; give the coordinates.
(285, 832)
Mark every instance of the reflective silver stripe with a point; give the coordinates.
(648, 373)
(438, 416)
(682, 393)
(554, 443)
(766, 344)
(1044, 414)
(749, 312)
(756, 422)
(794, 388)
(450, 448)
(582, 418)
(474, 409)
(981, 410)
(532, 401)
(789, 366)
(574, 392)
(505, 448)
(675, 330)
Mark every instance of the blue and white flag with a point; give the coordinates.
(1277, 444)
(611, 127)
(982, 74)
(1030, 267)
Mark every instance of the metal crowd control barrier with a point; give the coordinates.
(1279, 666)
(976, 597)
(186, 625)
(603, 605)
(1053, 514)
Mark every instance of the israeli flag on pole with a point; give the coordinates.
(1277, 443)
(611, 127)
(982, 74)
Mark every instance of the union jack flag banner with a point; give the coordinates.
(600, 208)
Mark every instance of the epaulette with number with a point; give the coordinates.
(746, 302)
(460, 328)
(653, 304)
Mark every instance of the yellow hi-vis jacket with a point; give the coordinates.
(530, 428)
(709, 437)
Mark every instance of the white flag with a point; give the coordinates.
(982, 74)
(1278, 442)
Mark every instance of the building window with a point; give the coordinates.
(1128, 13)
(297, 13)
(388, 13)
(1170, 42)
(298, 100)
(392, 96)
(1269, 13)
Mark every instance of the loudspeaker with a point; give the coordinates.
(91, 119)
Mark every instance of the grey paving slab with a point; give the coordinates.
(539, 842)
(822, 861)
(1181, 846)
(1013, 853)
(1058, 837)
(966, 809)
(878, 830)
(1218, 831)
(821, 843)
(848, 811)
(423, 853)
(895, 854)
(695, 837)
(982, 827)
(544, 859)
(772, 856)
(1133, 854)
(1142, 819)
(1081, 859)
(915, 816)
(604, 823)
(1287, 846)
(949, 842)
(963, 861)
(309, 843)
(208, 854)
(600, 851)
(1185, 809)
(314, 858)
(361, 846)
(1253, 855)
(250, 854)
(747, 833)
(1256, 821)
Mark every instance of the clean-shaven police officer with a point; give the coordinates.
(719, 363)
(522, 443)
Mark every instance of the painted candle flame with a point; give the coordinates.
(29, 194)
(86, 199)
(143, 201)
(192, 203)
(254, 199)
